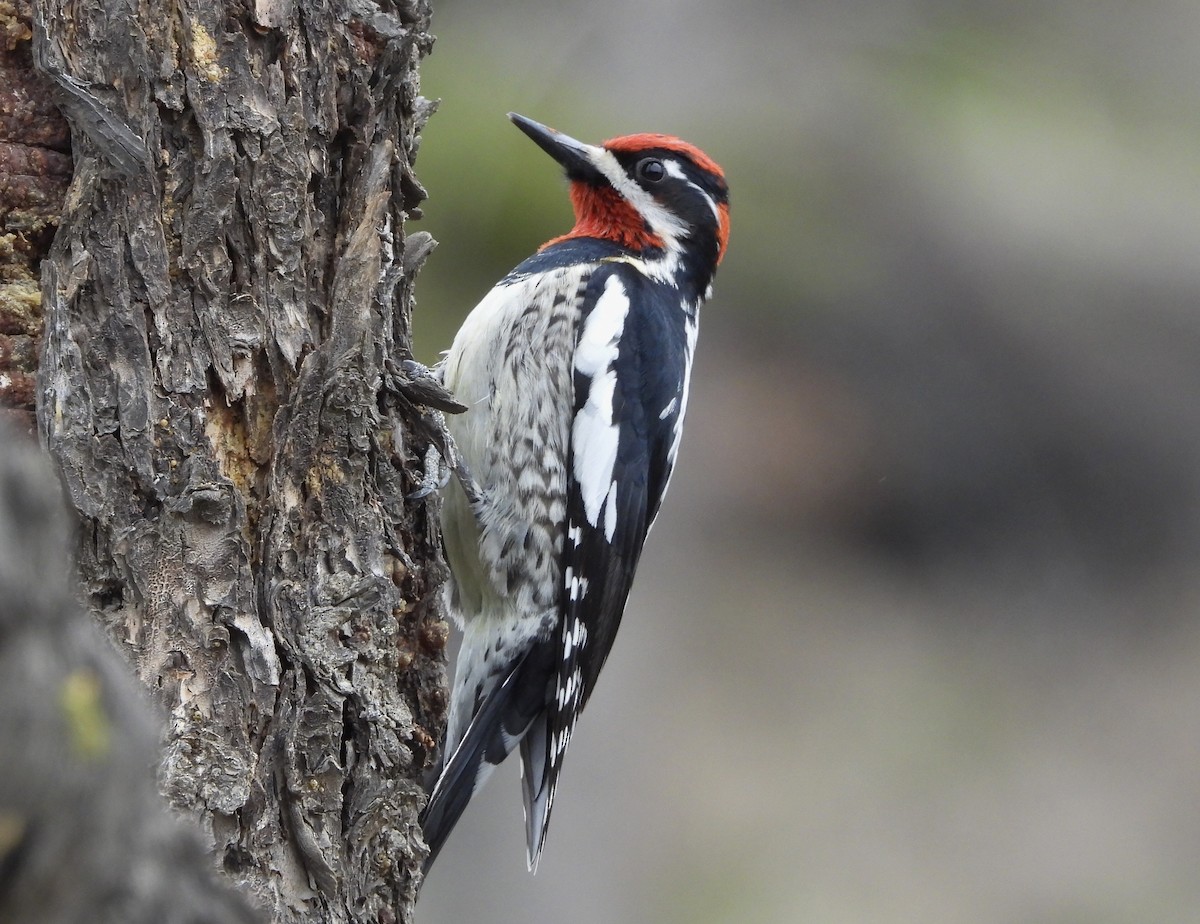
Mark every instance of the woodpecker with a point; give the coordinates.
(574, 370)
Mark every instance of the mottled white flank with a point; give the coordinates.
(511, 365)
(671, 405)
(594, 433)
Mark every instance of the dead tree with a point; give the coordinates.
(223, 386)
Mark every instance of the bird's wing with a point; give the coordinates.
(630, 371)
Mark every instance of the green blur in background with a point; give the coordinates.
(915, 637)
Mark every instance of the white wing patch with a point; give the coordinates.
(594, 433)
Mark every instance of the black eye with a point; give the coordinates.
(651, 170)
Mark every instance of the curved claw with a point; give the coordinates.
(436, 475)
(470, 486)
(424, 386)
(442, 460)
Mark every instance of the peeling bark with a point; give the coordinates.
(35, 168)
(228, 306)
(84, 833)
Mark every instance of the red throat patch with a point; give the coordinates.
(648, 140)
(601, 212)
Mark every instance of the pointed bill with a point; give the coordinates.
(577, 158)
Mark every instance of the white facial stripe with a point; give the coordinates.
(674, 170)
(661, 221)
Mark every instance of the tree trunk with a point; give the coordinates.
(228, 305)
(84, 833)
(35, 168)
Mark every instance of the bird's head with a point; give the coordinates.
(657, 196)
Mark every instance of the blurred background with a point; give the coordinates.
(915, 637)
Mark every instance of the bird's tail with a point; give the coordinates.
(501, 722)
(536, 788)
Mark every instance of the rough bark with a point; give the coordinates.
(35, 167)
(228, 306)
(84, 833)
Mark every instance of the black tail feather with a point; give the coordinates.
(497, 728)
(537, 778)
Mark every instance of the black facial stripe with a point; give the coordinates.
(713, 185)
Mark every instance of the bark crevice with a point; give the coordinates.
(227, 301)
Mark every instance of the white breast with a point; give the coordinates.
(511, 364)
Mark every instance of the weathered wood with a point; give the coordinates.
(35, 168)
(228, 307)
(84, 833)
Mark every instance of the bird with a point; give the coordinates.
(574, 370)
